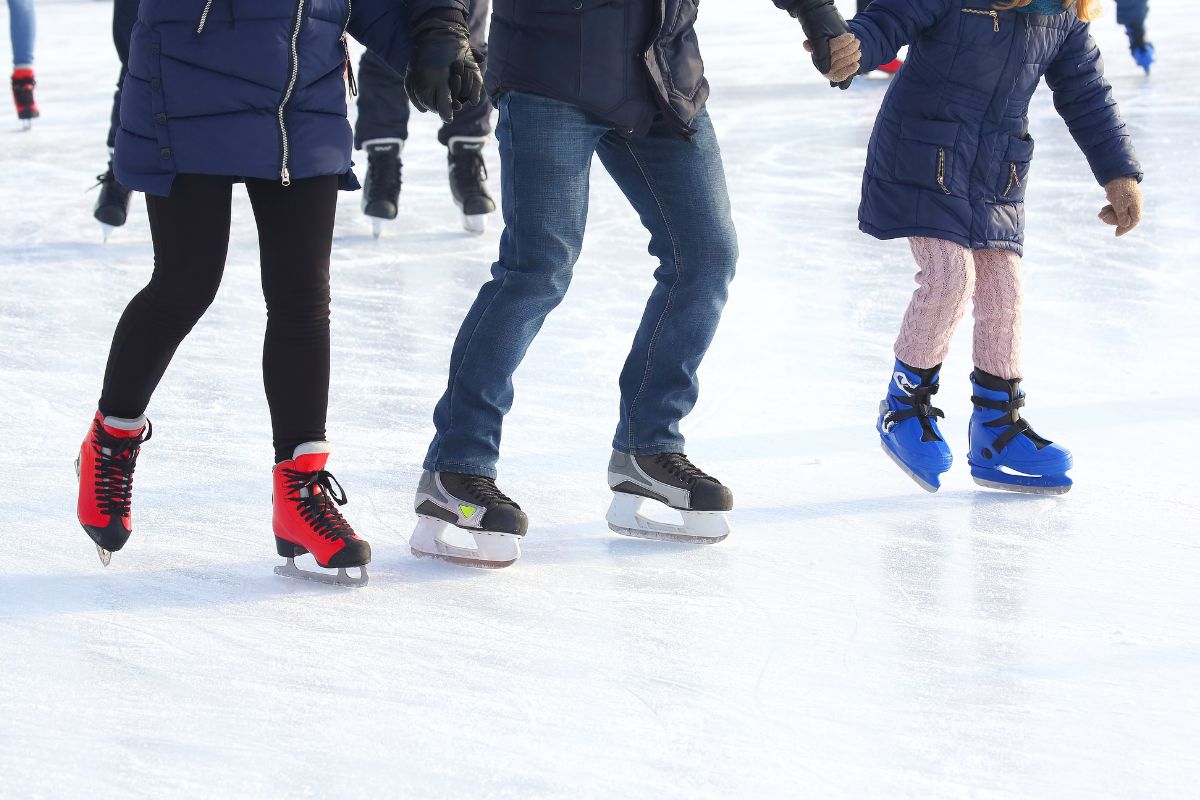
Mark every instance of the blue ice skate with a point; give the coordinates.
(908, 429)
(1141, 50)
(1005, 452)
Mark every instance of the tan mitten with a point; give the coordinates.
(845, 57)
(1124, 209)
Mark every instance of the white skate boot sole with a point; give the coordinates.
(699, 527)
(288, 569)
(475, 223)
(491, 550)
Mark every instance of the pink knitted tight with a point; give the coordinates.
(949, 275)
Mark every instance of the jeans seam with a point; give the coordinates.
(467, 347)
(670, 294)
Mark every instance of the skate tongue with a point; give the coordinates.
(121, 428)
(311, 456)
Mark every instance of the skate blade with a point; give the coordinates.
(491, 550)
(475, 223)
(907, 470)
(340, 578)
(699, 527)
(105, 555)
(376, 227)
(1021, 488)
(106, 231)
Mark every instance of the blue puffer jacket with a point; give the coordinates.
(950, 152)
(249, 88)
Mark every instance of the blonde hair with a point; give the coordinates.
(1086, 10)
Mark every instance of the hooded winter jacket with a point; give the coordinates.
(950, 153)
(249, 88)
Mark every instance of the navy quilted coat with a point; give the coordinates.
(950, 153)
(248, 88)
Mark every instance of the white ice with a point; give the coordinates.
(853, 637)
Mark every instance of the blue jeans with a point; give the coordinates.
(678, 189)
(21, 26)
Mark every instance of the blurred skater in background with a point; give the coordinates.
(187, 135)
(112, 206)
(22, 28)
(382, 129)
(950, 174)
(1132, 14)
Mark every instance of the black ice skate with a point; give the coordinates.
(468, 181)
(476, 506)
(112, 206)
(675, 482)
(381, 189)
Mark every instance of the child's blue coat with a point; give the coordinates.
(950, 153)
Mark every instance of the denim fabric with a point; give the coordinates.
(678, 189)
(383, 110)
(22, 27)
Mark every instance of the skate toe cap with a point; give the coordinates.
(356, 553)
(111, 537)
(711, 495)
(479, 204)
(506, 519)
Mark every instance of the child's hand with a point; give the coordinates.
(845, 57)
(1124, 207)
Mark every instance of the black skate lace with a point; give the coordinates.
(677, 465)
(469, 168)
(383, 177)
(107, 177)
(1016, 424)
(920, 402)
(319, 508)
(114, 468)
(485, 492)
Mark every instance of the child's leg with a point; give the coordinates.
(998, 313)
(295, 237)
(191, 236)
(945, 281)
(678, 189)
(22, 27)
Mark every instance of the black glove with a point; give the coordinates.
(443, 74)
(821, 22)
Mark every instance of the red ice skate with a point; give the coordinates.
(307, 519)
(22, 89)
(105, 468)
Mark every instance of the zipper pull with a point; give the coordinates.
(285, 177)
(349, 68)
(995, 21)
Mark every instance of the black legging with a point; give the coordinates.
(191, 237)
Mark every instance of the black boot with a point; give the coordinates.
(468, 181)
(112, 207)
(381, 189)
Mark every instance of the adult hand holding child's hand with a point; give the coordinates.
(845, 58)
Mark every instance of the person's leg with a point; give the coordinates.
(22, 28)
(945, 282)
(190, 229)
(124, 16)
(998, 313)
(546, 150)
(678, 189)
(1132, 12)
(295, 237)
(473, 122)
(382, 102)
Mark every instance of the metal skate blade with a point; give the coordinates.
(106, 231)
(105, 555)
(491, 550)
(924, 484)
(475, 223)
(26, 124)
(376, 227)
(1020, 489)
(341, 578)
(699, 527)
(463, 561)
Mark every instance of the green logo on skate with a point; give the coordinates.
(467, 511)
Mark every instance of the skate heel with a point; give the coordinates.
(288, 549)
(699, 527)
(491, 550)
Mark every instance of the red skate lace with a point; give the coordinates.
(318, 509)
(115, 461)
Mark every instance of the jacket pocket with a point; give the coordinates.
(1015, 171)
(926, 156)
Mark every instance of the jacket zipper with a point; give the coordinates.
(284, 176)
(346, 46)
(204, 17)
(1013, 178)
(941, 170)
(994, 15)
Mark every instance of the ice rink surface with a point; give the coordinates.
(854, 637)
